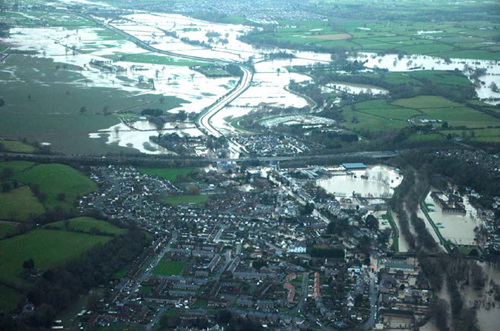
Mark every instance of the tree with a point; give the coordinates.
(61, 196)
(83, 110)
(223, 316)
(29, 264)
(2, 102)
(372, 222)
(258, 264)
(6, 173)
(193, 189)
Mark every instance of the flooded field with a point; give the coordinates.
(374, 182)
(192, 41)
(456, 227)
(137, 135)
(356, 88)
(394, 62)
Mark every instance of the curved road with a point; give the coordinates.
(205, 119)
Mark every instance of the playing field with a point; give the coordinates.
(168, 268)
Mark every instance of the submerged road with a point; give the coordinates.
(204, 120)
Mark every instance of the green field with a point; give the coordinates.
(16, 147)
(384, 115)
(87, 224)
(19, 205)
(57, 178)
(168, 268)
(171, 174)
(17, 166)
(184, 199)
(8, 298)
(47, 248)
(480, 135)
(6, 229)
(377, 27)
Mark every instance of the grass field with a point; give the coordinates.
(384, 115)
(16, 146)
(469, 39)
(8, 298)
(169, 173)
(6, 229)
(47, 248)
(168, 268)
(87, 224)
(17, 166)
(481, 135)
(184, 199)
(57, 178)
(19, 205)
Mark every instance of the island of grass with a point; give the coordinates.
(87, 225)
(168, 268)
(16, 147)
(184, 199)
(171, 174)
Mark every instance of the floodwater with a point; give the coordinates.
(220, 42)
(357, 88)
(392, 62)
(380, 182)
(137, 136)
(455, 227)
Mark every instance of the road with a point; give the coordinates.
(303, 297)
(127, 160)
(205, 119)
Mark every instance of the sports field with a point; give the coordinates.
(168, 268)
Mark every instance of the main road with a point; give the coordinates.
(205, 119)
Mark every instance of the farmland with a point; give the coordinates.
(381, 115)
(32, 115)
(389, 29)
(16, 147)
(87, 225)
(53, 179)
(19, 205)
(6, 228)
(47, 248)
